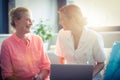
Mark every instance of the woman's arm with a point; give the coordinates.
(12, 78)
(61, 60)
(99, 66)
(6, 65)
(98, 54)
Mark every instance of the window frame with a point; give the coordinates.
(106, 28)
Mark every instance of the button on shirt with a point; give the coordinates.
(90, 48)
(23, 60)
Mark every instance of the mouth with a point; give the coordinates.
(28, 27)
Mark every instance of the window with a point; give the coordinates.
(102, 15)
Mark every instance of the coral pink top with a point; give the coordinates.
(21, 60)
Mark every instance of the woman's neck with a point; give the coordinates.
(22, 36)
(77, 31)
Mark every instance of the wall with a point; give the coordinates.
(100, 12)
(46, 9)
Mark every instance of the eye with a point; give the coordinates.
(28, 19)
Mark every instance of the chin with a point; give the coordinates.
(27, 32)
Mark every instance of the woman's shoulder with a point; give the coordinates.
(93, 32)
(36, 37)
(7, 41)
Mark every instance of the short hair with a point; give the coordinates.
(73, 11)
(70, 10)
(16, 14)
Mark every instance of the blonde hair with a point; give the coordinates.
(16, 14)
(73, 12)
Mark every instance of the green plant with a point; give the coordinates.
(43, 29)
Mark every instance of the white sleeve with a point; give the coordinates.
(58, 50)
(98, 49)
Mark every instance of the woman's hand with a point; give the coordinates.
(42, 75)
(37, 77)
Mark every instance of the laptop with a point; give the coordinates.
(71, 72)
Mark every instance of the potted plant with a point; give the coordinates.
(44, 30)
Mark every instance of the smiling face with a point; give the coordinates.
(23, 25)
(63, 21)
(21, 20)
(70, 17)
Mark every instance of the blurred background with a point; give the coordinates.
(102, 16)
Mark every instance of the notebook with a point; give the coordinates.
(71, 72)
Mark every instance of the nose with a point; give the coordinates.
(30, 22)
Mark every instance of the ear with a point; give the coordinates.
(16, 21)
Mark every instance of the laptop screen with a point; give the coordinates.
(71, 72)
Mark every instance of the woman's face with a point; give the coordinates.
(63, 21)
(24, 24)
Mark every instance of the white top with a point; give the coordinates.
(90, 48)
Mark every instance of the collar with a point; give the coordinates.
(84, 34)
(18, 39)
(67, 34)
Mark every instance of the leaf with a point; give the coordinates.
(43, 29)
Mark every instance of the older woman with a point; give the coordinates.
(76, 44)
(22, 54)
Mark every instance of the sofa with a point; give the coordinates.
(108, 37)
